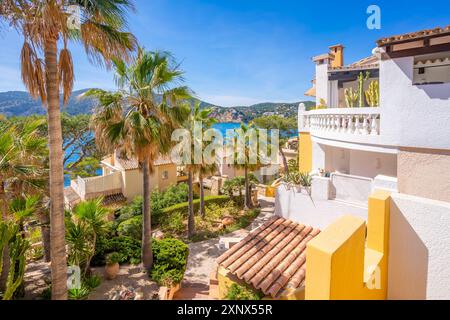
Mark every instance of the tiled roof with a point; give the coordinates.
(413, 35)
(370, 62)
(132, 164)
(271, 258)
(113, 199)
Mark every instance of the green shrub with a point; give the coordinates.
(79, 294)
(238, 292)
(183, 207)
(128, 248)
(170, 258)
(131, 228)
(93, 281)
(129, 211)
(113, 258)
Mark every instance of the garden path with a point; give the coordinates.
(202, 256)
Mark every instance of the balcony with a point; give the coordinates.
(91, 188)
(342, 126)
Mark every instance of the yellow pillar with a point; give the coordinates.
(342, 263)
(305, 152)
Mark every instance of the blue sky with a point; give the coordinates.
(240, 52)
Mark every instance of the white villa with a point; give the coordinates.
(397, 140)
(122, 180)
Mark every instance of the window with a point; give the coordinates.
(432, 69)
(165, 175)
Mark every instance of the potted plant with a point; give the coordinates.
(306, 182)
(112, 267)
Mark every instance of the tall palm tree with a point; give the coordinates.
(286, 126)
(45, 69)
(247, 163)
(138, 120)
(203, 116)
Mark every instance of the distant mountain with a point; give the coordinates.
(20, 103)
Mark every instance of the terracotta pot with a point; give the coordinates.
(111, 271)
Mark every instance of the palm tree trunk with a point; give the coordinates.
(57, 227)
(5, 267)
(44, 221)
(247, 195)
(285, 163)
(191, 219)
(202, 197)
(147, 253)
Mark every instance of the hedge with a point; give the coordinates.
(170, 259)
(185, 205)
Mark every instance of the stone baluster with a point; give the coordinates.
(365, 125)
(350, 124)
(374, 126)
(357, 124)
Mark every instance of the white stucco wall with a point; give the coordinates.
(318, 156)
(412, 115)
(319, 213)
(371, 164)
(322, 82)
(419, 253)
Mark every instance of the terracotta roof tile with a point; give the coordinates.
(370, 62)
(413, 35)
(114, 199)
(271, 258)
(132, 164)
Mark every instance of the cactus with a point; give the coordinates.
(350, 97)
(361, 80)
(373, 94)
(9, 235)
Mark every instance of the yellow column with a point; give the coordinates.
(342, 263)
(305, 152)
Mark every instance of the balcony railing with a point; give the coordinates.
(351, 121)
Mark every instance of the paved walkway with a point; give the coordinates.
(202, 256)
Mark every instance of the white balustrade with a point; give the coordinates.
(348, 121)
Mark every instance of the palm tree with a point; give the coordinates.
(287, 126)
(197, 115)
(139, 119)
(204, 170)
(247, 163)
(22, 153)
(44, 24)
(93, 213)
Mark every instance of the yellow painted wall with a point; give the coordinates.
(305, 152)
(343, 264)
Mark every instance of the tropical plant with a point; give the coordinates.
(46, 69)
(16, 245)
(22, 169)
(241, 292)
(305, 179)
(351, 97)
(322, 104)
(138, 120)
(204, 167)
(286, 126)
(93, 214)
(245, 160)
(362, 78)
(373, 94)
